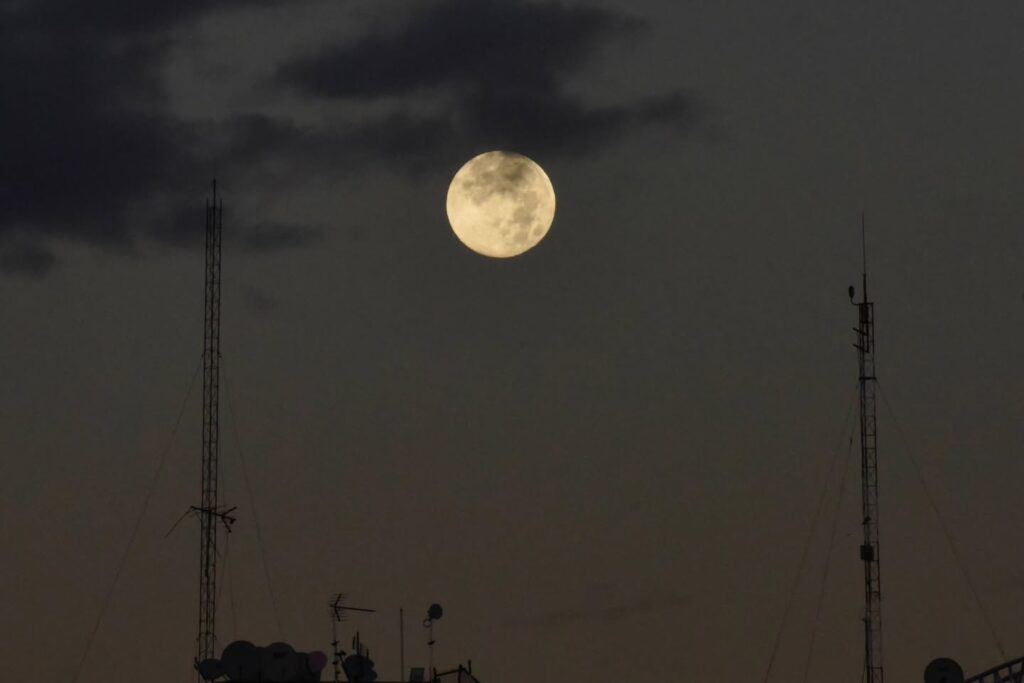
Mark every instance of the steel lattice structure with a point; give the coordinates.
(1010, 672)
(209, 511)
(869, 552)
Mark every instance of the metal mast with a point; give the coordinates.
(209, 511)
(869, 553)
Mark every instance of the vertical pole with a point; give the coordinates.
(869, 551)
(430, 649)
(334, 645)
(208, 510)
(401, 644)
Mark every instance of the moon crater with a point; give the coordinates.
(501, 204)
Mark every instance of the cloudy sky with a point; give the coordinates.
(602, 457)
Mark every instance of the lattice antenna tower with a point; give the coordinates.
(210, 514)
(869, 552)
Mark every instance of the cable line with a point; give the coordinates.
(961, 565)
(135, 529)
(231, 599)
(252, 502)
(828, 556)
(806, 548)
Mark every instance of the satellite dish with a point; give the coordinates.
(851, 292)
(211, 669)
(359, 669)
(943, 670)
(279, 662)
(434, 612)
(241, 661)
(316, 661)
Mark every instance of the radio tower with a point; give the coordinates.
(869, 477)
(209, 511)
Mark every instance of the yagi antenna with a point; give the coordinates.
(338, 611)
(339, 608)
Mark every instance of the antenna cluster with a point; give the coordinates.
(242, 660)
(338, 611)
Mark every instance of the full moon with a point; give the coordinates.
(501, 204)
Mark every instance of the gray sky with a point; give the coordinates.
(601, 457)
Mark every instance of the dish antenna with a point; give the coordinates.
(211, 669)
(434, 612)
(943, 670)
(241, 661)
(359, 666)
(278, 662)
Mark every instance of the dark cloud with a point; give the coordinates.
(26, 259)
(497, 71)
(556, 122)
(397, 138)
(264, 237)
(240, 233)
(94, 154)
(115, 17)
(90, 151)
(466, 43)
(78, 133)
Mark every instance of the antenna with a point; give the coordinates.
(338, 610)
(944, 670)
(869, 554)
(864, 257)
(209, 512)
(434, 612)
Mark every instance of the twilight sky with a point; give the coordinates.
(602, 457)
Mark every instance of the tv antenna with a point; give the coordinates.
(869, 554)
(339, 611)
